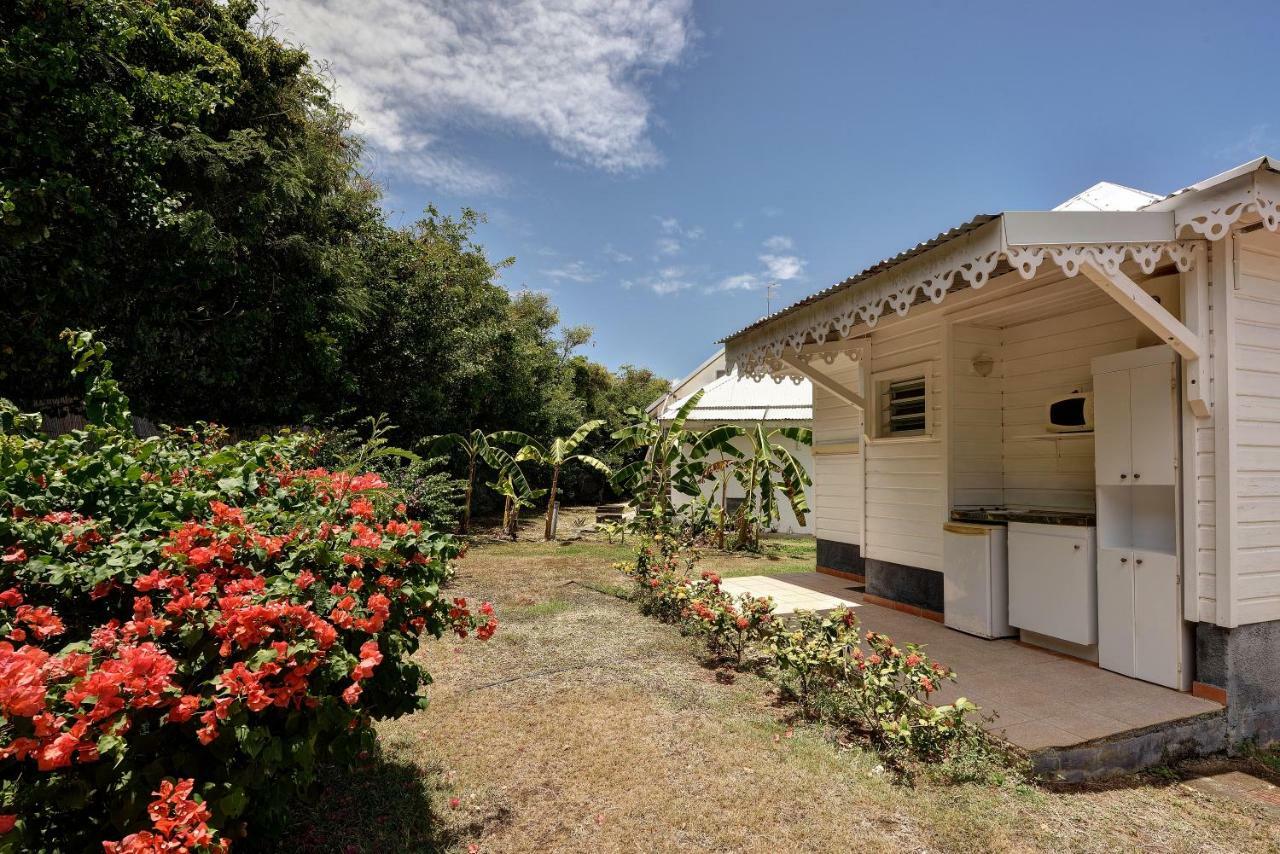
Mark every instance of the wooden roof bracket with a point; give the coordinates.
(825, 381)
(1186, 343)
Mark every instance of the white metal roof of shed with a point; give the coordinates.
(734, 398)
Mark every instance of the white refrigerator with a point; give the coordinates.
(975, 582)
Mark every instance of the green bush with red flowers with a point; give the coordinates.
(187, 628)
(861, 681)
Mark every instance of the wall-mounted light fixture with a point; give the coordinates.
(983, 364)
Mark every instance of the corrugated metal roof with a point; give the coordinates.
(733, 398)
(1107, 196)
(874, 270)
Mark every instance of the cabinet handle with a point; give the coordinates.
(1136, 475)
(1076, 547)
(1124, 560)
(1138, 561)
(1124, 476)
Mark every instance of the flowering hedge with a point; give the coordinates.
(863, 681)
(188, 629)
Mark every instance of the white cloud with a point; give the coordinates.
(667, 246)
(777, 268)
(615, 255)
(783, 267)
(574, 271)
(668, 280)
(570, 72)
(740, 282)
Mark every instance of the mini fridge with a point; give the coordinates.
(975, 582)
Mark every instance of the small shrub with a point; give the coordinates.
(731, 625)
(813, 654)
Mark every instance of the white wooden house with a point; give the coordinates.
(1089, 394)
(730, 398)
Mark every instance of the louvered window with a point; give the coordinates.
(903, 407)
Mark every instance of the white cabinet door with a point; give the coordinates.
(1053, 587)
(1156, 619)
(1151, 422)
(1113, 436)
(1115, 610)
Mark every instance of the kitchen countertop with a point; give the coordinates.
(1002, 515)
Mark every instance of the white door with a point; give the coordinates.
(1156, 621)
(1152, 402)
(1113, 435)
(1115, 610)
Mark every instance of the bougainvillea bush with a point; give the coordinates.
(188, 628)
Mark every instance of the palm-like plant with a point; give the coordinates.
(767, 471)
(665, 465)
(517, 494)
(477, 446)
(562, 450)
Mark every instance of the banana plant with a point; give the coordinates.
(477, 446)
(666, 463)
(514, 488)
(767, 471)
(556, 455)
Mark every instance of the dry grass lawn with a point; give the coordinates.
(584, 726)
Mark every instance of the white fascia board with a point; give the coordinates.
(1053, 228)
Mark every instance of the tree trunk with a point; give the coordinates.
(466, 502)
(551, 500)
(724, 506)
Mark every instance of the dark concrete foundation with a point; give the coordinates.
(843, 557)
(1132, 751)
(1245, 663)
(907, 584)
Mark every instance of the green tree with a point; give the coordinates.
(768, 474)
(666, 463)
(561, 451)
(477, 447)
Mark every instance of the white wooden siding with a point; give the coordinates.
(1044, 359)
(1255, 377)
(837, 477)
(906, 479)
(975, 404)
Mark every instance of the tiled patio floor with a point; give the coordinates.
(1041, 699)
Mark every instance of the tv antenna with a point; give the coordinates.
(769, 291)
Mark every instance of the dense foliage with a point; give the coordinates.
(176, 177)
(190, 627)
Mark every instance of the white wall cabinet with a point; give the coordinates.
(1134, 434)
(1141, 632)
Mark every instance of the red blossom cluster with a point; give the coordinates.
(223, 626)
(178, 825)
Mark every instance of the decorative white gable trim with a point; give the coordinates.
(970, 259)
(1212, 213)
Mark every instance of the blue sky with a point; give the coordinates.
(652, 165)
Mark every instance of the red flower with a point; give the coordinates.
(7, 822)
(351, 695)
(454, 803)
(913, 660)
(14, 555)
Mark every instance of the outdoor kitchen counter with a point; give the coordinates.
(1035, 517)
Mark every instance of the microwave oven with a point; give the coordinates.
(1071, 413)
